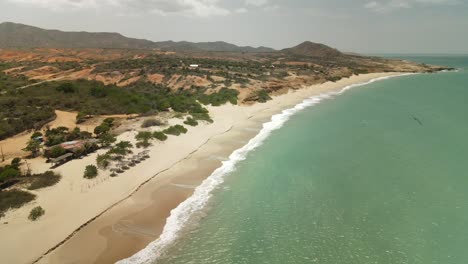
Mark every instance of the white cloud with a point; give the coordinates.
(256, 2)
(201, 8)
(392, 5)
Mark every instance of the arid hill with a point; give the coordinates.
(313, 50)
(13, 35)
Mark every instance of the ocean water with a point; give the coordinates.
(377, 174)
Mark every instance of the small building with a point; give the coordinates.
(74, 146)
(194, 66)
(62, 159)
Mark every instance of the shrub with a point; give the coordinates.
(36, 134)
(80, 117)
(109, 121)
(191, 122)
(103, 161)
(14, 199)
(15, 163)
(66, 88)
(36, 213)
(102, 129)
(159, 136)
(175, 130)
(107, 139)
(202, 116)
(151, 122)
(46, 179)
(143, 138)
(263, 96)
(121, 148)
(90, 172)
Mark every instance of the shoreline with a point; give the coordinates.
(122, 216)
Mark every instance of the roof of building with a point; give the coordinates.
(61, 158)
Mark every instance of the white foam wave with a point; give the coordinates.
(181, 215)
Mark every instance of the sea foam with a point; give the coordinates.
(180, 216)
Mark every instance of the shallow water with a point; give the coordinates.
(376, 175)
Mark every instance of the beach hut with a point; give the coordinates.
(61, 159)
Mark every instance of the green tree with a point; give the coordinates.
(36, 134)
(8, 173)
(34, 147)
(15, 163)
(143, 138)
(107, 139)
(160, 136)
(56, 152)
(102, 129)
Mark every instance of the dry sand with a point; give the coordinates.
(123, 214)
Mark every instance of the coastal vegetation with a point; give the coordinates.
(151, 122)
(143, 139)
(13, 199)
(33, 107)
(90, 172)
(159, 136)
(191, 122)
(36, 213)
(175, 130)
(43, 180)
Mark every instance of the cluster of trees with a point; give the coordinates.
(33, 107)
(54, 137)
(144, 138)
(59, 135)
(219, 98)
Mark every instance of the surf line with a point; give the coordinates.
(181, 215)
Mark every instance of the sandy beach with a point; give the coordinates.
(108, 219)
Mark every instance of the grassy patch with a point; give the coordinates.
(47, 179)
(13, 199)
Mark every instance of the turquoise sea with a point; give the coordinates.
(378, 174)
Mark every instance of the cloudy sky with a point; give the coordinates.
(367, 26)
